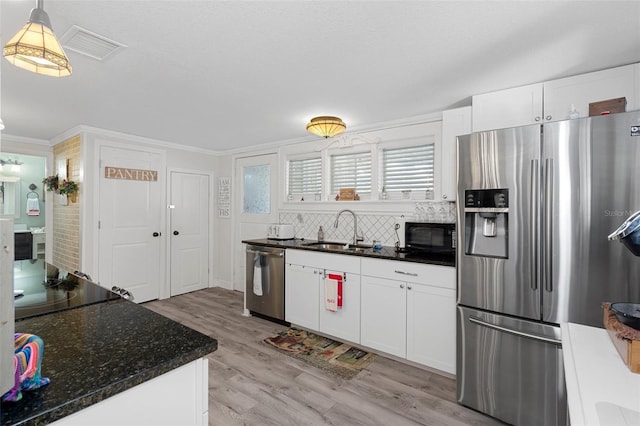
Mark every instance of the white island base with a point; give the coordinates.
(178, 397)
(601, 390)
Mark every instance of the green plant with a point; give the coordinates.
(51, 183)
(68, 187)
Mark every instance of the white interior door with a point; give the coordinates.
(257, 180)
(189, 239)
(130, 215)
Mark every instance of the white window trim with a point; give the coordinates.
(407, 135)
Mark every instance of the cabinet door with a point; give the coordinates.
(302, 295)
(383, 319)
(455, 122)
(431, 326)
(581, 90)
(519, 106)
(345, 322)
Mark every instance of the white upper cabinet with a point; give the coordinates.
(552, 100)
(455, 122)
(584, 89)
(508, 108)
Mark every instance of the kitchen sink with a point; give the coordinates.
(339, 246)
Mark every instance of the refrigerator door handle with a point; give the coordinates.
(548, 231)
(480, 322)
(535, 193)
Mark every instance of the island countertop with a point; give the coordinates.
(97, 351)
(601, 390)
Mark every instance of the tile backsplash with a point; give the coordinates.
(379, 227)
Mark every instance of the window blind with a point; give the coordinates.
(351, 171)
(305, 176)
(408, 169)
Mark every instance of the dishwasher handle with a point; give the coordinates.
(266, 253)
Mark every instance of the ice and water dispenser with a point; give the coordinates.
(486, 222)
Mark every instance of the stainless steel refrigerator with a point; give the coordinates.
(535, 207)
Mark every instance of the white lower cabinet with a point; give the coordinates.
(305, 272)
(302, 295)
(345, 322)
(408, 310)
(431, 326)
(405, 309)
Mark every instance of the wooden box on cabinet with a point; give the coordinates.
(610, 106)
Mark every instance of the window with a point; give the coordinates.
(351, 171)
(408, 169)
(305, 176)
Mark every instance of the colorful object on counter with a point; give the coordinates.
(29, 350)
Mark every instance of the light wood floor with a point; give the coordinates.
(251, 383)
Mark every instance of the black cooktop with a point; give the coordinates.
(42, 288)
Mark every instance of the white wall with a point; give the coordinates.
(176, 158)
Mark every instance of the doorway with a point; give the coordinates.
(257, 179)
(190, 229)
(130, 221)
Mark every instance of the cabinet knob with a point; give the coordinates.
(444, 196)
(537, 119)
(548, 117)
(408, 287)
(176, 233)
(401, 285)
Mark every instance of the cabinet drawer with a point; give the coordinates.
(421, 273)
(328, 261)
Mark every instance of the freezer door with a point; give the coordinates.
(510, 369)
(494, 275)
(591, 184)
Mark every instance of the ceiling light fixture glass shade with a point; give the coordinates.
(36, 48)
(326, 126)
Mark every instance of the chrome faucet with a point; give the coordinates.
(356, 237)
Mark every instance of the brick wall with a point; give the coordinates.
(66, 218)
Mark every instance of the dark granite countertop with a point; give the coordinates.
(386, 252)
(96, 351)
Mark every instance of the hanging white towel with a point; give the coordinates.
(257, 276)
(331, 294)
(33, 207)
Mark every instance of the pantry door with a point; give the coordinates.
(189, 207)
(257, 180)
(130, 221)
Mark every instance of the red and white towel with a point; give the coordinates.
(333, 292)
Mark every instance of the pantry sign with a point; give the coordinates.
(130, 174)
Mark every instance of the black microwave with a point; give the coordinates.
(430, 238)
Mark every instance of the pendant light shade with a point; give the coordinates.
(36, 48)
(326, 126)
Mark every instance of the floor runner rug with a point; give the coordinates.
(327, 354)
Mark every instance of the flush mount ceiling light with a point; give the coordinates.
(326, 126)
(36, 48)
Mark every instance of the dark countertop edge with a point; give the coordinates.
(97, 395)
(300, 244)
(115, 388)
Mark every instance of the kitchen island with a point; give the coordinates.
(96, 354)
(600, 388)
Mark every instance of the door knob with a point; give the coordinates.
(157, 234)
(175, 232)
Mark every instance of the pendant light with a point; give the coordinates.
(326, 126)
(36, 48)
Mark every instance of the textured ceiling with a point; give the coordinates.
(223, 75)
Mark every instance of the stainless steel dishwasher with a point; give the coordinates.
(264, 290)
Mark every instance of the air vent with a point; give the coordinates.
(89, 43)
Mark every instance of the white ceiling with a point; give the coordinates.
(222, 75)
